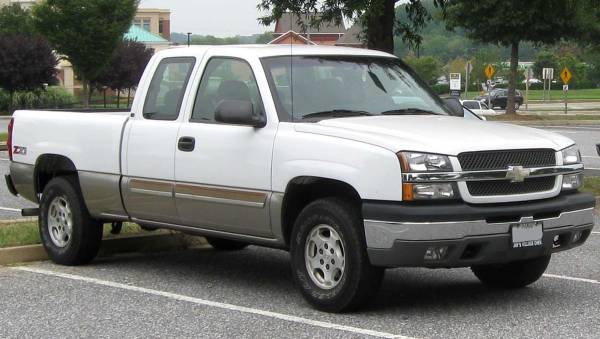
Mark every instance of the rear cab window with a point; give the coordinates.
(167, 88)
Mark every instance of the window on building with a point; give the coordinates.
(146, 24)
(161, 26)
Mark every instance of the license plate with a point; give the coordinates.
(527, 234)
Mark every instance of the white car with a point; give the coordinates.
(479, 108)
(352, 164)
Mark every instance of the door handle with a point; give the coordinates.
(186, 144)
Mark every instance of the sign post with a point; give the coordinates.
(528, 76)
(468, 70)
(547, 74)
(455, 84)
(566, 76)
(489, 73)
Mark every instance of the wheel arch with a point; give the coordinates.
(302, 190)
(49, 166)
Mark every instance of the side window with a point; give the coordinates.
(167, 88)
(225, 79)
(471, 104)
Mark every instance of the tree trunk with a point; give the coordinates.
(118, 98)
(128, 97)
(380, 26)
(512, 79)
(85, 95)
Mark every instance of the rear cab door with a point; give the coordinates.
(151, 136)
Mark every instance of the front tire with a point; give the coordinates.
(329, 258)
(516, 274)
(69, 234)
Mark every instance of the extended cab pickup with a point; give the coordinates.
(341, 156)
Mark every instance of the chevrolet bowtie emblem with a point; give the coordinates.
(517, 173)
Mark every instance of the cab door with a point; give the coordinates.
(223, 171)
(149, 173)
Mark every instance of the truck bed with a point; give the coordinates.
(91, 140)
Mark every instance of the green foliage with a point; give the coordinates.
(16, 20)
(427, 67)
(27, 63)
(50, 98)
(543, 60)
(212, 40)
(377, 17)
(126, 66)
(87, 32)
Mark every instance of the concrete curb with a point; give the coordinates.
(111, 246)
(3, 146)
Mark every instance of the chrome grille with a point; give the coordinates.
(494, 160)
(505, 187)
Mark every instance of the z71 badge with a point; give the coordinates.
(20, 150)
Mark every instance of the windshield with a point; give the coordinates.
(318, 87)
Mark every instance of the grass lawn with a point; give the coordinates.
(543, 117)
(557, 94)
(3, 137)
(26, 233)
(592, 185)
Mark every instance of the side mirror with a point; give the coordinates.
(238, 112)
(455, 107)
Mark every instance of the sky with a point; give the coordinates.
(211, 17)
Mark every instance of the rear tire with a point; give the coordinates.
(512, 275)
(225, 244)
(69, 234)
(329, 257)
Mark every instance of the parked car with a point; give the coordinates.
(479, 108)
(499, 97)
(353, 166)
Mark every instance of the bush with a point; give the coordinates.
(440, 89)
(53, 97)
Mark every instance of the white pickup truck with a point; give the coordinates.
(340, 156)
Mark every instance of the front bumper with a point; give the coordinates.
(399, 234)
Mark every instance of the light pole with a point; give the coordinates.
(189, 37)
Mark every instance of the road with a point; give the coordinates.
(250, 294)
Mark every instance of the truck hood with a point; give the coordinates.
(435, 134)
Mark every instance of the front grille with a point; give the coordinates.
(505, 187)
(496, 160)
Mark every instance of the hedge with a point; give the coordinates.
(53, 97)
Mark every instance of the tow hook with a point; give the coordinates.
(116, 227)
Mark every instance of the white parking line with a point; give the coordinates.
(10, 209)
(564, 277)
(595, 232)
(230, 307)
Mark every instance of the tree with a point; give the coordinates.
(16, 20)
(86, 32)
(264, 38)
(508, 23)
(377, 17)
(427, 67)
(125, 68)
(26, 64)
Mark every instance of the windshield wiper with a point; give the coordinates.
(337, 113)
(409, 111)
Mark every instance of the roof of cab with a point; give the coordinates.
(261, 51)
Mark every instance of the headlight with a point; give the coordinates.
(414, 162)
(572, 181)
(424, 162)
(571, 155)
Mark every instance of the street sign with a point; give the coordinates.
(566, 76)
(548, 73)
(565, 88)
(455, 84)
(469, 67)
(489, 71)
(528, 74)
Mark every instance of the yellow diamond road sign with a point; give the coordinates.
(489, 71)
(566, 75)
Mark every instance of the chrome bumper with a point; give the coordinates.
(383, 234)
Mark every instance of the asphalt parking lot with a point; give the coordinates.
(250, 294)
